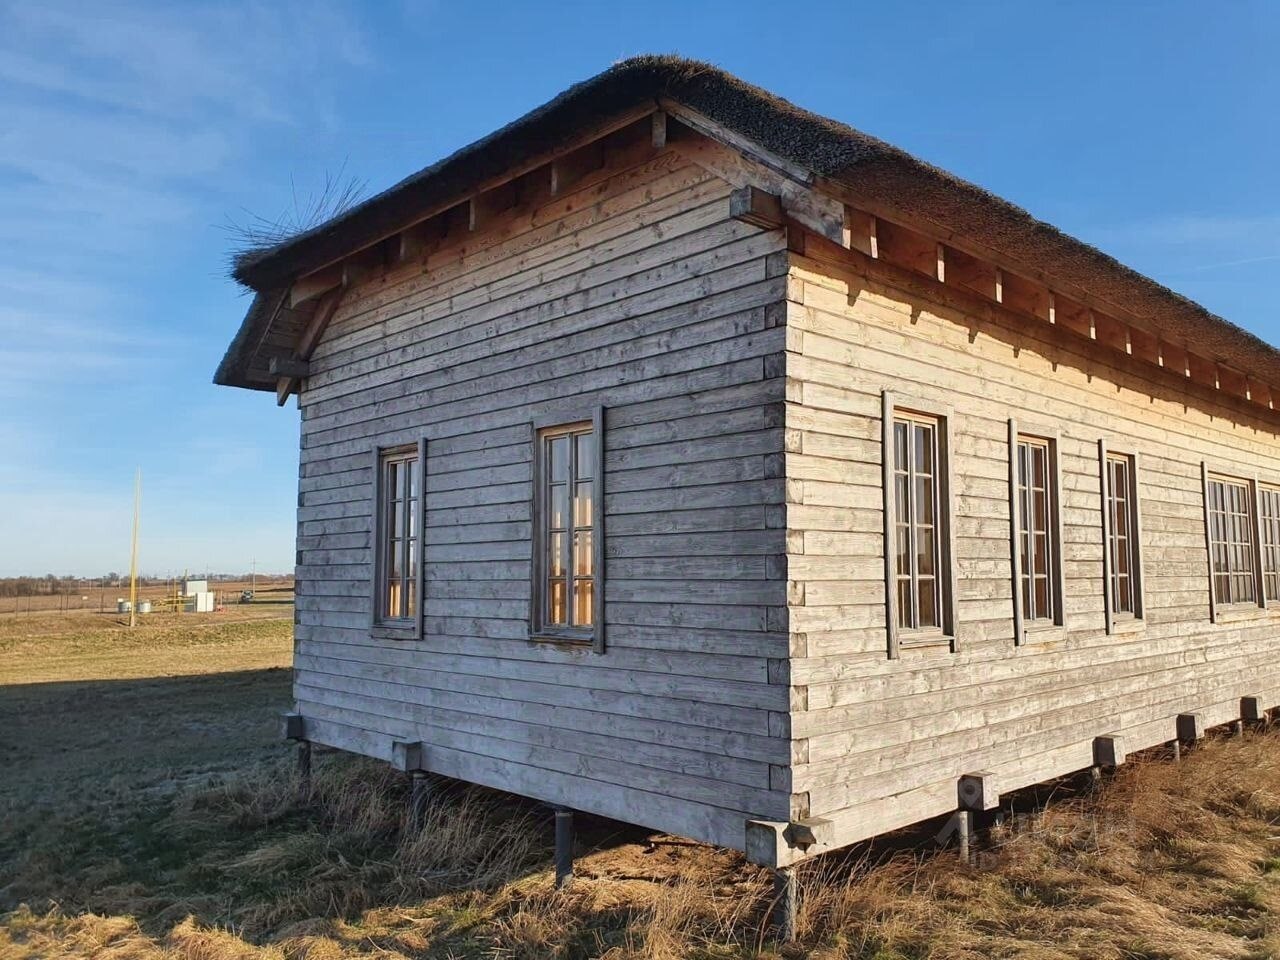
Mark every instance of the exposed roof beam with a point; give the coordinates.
(315, 284)
(288, 367)
(1209, 381)
(658, 129)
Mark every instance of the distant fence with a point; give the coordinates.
(103, 599)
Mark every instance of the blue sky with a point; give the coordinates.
(130, 134)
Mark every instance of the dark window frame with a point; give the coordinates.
(410, 626)
(1227, 478)
(896, 407)
(1269, 524)
(1050, 441)
(1111, 538)
(539, 629)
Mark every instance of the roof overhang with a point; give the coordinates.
(843, 185)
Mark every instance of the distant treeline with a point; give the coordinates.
(52, 585)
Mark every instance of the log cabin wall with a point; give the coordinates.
(881, 741)
(632, 289)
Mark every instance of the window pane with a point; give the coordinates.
(393, 599)
(395, 554)
(928, 605)
(924, 500)
(586, 456)
(558, 459)
(924, 449)
(556, 602)
(904, 604)
(1042, 598)
(583, 595)
(900, 446)
(558, 506)
(1040, 565)
(925, 552)
(1039, 511)
(582, 505)
(904, 549)
(583, 558)
(411, 590)
(411, 471)
(1123, 598)
(555, 554)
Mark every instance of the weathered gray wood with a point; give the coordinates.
(1109, 750)
(655, 309)
(742, 479)
(978, 791)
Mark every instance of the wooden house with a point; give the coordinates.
(683, 457)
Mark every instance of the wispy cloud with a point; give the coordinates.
(125, 125)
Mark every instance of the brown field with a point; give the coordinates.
(147, 811)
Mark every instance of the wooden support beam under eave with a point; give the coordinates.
(315, 284)
(754, 206)
(288, 367)
(658, 129)
(290, 382)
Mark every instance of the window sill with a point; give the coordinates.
(385, 631)
(925, 643)
(1240, 613)
(1128, 625)
(561, 639)
(1033, 636)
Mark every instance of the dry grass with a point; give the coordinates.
(1169, 861)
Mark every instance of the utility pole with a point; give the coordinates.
(133, 553)
(253, 577)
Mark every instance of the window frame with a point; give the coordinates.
(539, 629)
(381, 625)
(1263, 490)
(1209, 475)
(944, 635)
(1051, 440)
(1136, 579)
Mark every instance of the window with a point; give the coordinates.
(568, 545)
(1122, 564)
(397, 573)
(915, 462)
(917, 528)
(1231, 541)
(1269, 512)
(1037, 537)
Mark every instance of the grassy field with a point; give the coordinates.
(148, 811)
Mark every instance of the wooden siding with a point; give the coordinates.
(634, 291)
(883, 742)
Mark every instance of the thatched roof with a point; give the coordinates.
(825, 147)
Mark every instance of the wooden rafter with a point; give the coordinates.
(1064, 319)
